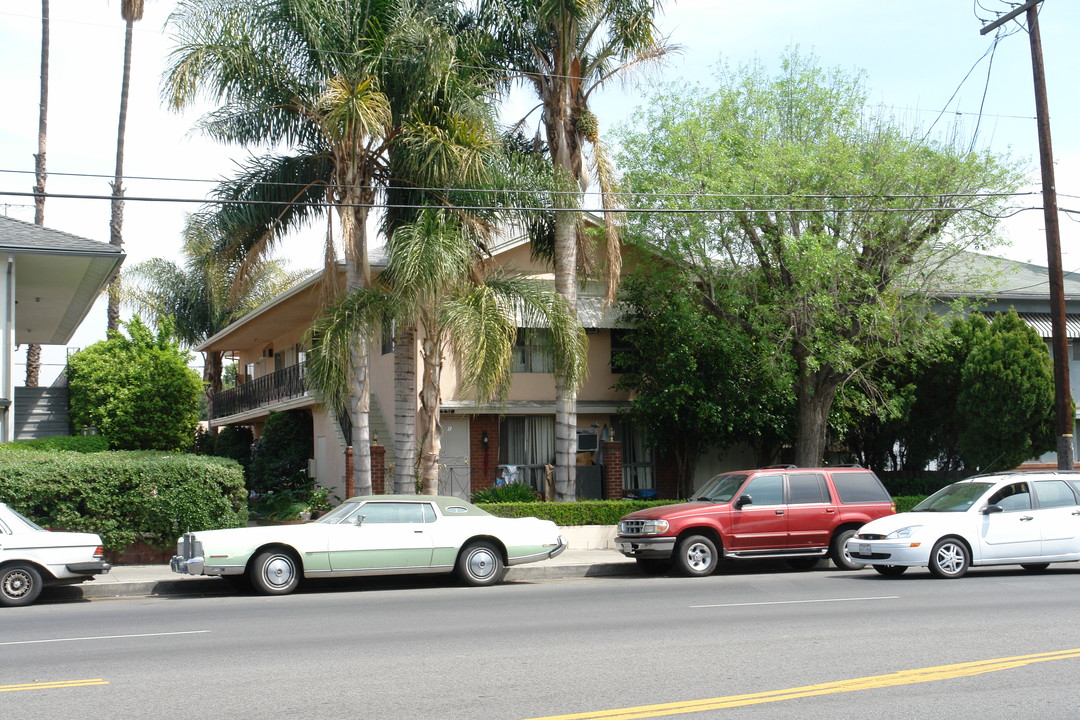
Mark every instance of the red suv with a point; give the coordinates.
(801, 514)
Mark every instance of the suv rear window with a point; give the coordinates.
(859, 487)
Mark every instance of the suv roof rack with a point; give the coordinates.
(779, 467)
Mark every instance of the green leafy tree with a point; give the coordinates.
(1006, 397)
(279, 459)
(137, 390)
(826, 221)
(697, 382)
(564, 50)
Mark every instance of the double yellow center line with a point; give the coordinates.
(905, 677)
(53, 685)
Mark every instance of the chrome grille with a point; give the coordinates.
(189, 547)
(631, 527)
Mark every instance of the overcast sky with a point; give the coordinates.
(916, 55)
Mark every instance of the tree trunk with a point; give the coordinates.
(428, 425)
(212, 364)
(815, 394)
(116, 222)
(33, 350)
(565, 153)
(405, 411)
(353, 216)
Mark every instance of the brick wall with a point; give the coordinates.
(378, 470)
(613, 470)
(484, 458)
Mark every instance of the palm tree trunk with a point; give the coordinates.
(33, 351)
(428, 425)
(405, 411)
(353, 216)
(562, 141)
(116, 221)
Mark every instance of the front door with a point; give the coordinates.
(455, 475)
(1015, 532)
(761, 524)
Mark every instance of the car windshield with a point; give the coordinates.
(721, 488)
(954, 498)
(339, 513)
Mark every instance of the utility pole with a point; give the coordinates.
(1065, 421)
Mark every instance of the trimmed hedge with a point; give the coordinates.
(607, 512)
(72, 443)
(125, 496)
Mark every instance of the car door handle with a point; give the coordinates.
(779, 512)
(1026, 518)
(1077, 512)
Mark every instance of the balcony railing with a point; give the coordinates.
(277, 386)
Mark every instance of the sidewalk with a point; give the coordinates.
(143, 580)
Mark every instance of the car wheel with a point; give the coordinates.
(803, 563)
(839, 554)
(696, 556)
(652, 566)
(949, 559)
(890, 570)
(274, 572)
(1035, 567)
(479, 564)
(20, 584)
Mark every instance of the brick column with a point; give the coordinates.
(613, 470)
(378, 470)
(483, 457)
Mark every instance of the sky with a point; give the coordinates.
(923, 59)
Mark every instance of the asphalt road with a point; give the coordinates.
(750, 643)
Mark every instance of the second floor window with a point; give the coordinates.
(532, 351)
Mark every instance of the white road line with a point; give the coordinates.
(799, 602)
(103, 637)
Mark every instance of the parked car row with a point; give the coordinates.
(801, 515)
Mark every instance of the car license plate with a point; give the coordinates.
(864, 549)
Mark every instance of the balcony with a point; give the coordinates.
(285, 384)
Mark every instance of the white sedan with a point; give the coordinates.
(372, 535)
(1029, 519)
(32, 557)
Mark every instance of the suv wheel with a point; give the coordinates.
(839, 552)
(696, 555)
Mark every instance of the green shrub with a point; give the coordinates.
(138, 391)
(279, 460)
(904, 503)
(125, 496)
(509, 493)
(71, 443)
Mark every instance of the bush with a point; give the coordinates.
(509, 493)
(904, 503)
(279, 460)
(70, 443)
(138, 391)
(124, 496)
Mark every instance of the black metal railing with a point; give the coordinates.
(277, 386)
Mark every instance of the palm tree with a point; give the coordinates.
(437, 279)
(33, 350)
(362, 94)
(130, 11)
(203, 296)
(565, 50)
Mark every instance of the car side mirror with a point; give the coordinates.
(991, 509)
(744, 500)
(359, 520)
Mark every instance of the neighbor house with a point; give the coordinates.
(50, 280)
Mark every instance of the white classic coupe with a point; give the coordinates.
(372, 535)
(32, 557)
